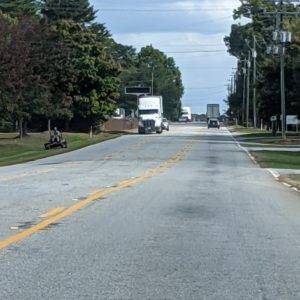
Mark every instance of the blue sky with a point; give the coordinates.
(179, 26)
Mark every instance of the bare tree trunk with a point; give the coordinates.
(20, 128)
(91, 131)
(49, 126)
(25, 129)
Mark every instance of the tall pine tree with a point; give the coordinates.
(79, 11)
(16, 7)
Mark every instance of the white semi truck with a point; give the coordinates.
(150, 111)
(213, 111)
(186, 115)
(213, 115)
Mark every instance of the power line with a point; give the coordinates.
(182, 45)
(166, 10)
(194, 51)
(207, 87)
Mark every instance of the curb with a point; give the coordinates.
(275, 174)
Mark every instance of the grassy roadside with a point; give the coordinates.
(277, 159)
(250, 131)
(293, 180)
(14, 151)
(253, 137)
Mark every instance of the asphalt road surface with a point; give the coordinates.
(182, 215)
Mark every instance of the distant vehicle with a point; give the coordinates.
(213, 111)
(213, 123)
(186, 115)
(119, 113)
(182, 120)
(56, 141)
(165, 124)
(150, 110)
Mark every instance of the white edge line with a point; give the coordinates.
(243, 148)
(274, 173)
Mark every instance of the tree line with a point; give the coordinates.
(58, 65)
(262, 25)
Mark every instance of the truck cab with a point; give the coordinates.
(186, 115)
(150, 111)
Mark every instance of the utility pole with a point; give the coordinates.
(282, 74)
(248, 88)
(244, 91)
(284, 37)
(152, 81)
(254, 54)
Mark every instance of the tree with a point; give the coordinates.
(268, 86)
(56, 70)
(167, 78)
(19, 84)
(17, 7)
(84, 76)
(79, 11)
(126, 56)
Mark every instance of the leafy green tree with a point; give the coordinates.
(86, 77)
(126, 56)
(268, 86)
(167, 78)
(56, 71)
(19, 83)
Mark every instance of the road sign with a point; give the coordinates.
(291, 120)
(273, 118)
(137, 90)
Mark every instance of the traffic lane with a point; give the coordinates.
(58, 182)
(184, 234)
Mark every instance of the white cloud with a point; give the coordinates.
(191, 25)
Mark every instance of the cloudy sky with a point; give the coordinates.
(190, 31)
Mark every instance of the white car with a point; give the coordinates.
(213, 123)
(165, 124)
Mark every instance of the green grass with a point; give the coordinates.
(292, 179)
(245, 130)
(250, 132)
(276, 142)
(277, 159)
(15, 151)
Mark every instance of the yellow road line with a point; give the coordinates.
(52, 212)
(55, 216)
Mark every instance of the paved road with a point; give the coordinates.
(212, 225)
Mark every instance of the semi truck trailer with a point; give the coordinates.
(150, 111)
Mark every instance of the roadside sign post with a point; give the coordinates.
(273, 120)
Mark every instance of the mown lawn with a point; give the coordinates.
(249, 130)
(243, 132)
(293, 180)
(15, 151)
(277, 159)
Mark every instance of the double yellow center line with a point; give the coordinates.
(56, 215)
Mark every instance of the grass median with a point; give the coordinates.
(15, 151)
(277, 159)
